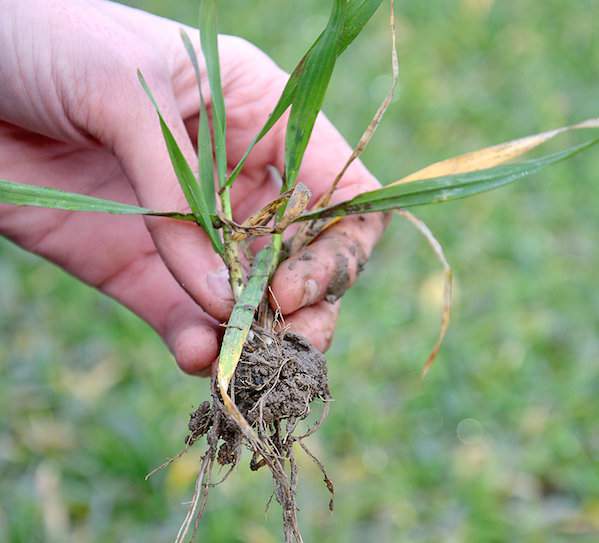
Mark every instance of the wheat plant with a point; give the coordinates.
(266, 377)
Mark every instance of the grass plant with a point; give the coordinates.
(252, 326)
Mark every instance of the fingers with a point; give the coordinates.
(134, 132)
(324, 270)
(149, 290)
(329, 266)
(193, 339)
(316, 323)
(325, 156)
(332, 263)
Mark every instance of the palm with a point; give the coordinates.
(108, 145)
(115, 254)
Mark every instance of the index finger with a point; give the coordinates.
(325, 269)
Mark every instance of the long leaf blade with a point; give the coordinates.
(206, 167)
(209, 42)
(311, 88)
(494, 155)
(359, 13)
(191, 189)
(21, 194)
(445, 188)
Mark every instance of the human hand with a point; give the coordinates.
(72, 116)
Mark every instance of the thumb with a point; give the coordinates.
(136, 139)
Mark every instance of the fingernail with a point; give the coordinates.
(310, 292)
(218, 283)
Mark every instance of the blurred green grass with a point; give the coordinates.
(500, 443)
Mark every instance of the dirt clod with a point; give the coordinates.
(279, 381)
(229, 451)
(276, 380)
(200, 422)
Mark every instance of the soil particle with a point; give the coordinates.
(306, 256)
(200, 422)
(341, 279)
(230, 449)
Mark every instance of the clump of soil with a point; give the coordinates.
(277, 379)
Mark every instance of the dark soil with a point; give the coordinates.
(341, 280)
(276, 380)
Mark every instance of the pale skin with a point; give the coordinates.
(73, 116)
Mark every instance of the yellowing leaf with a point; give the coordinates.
(447, 296)
(491, 156)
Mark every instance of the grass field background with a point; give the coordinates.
(500, 443)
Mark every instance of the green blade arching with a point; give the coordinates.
(309, 96)
(358, 14)
(20, 194)
(445, 188)
(189, 184)
(209, 42)
(205, 154)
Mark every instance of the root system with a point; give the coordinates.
(277, 379)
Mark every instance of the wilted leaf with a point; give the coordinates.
(299, 200)
(447, 285)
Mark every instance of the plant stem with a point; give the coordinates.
(231, 252)
(277, 239)
(277, 245)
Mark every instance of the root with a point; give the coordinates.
(192, 512)
(327, 481)
(168, 462)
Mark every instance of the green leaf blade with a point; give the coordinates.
(311, 88)
(205, 148)
(359, 12)
(445, 188)
(209, 42)
(191, 189)
(20, 194)
(187, 179)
